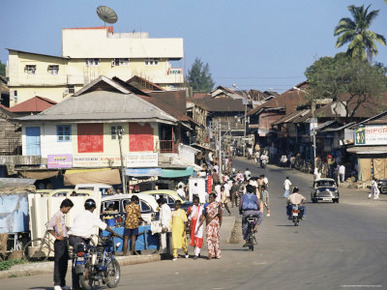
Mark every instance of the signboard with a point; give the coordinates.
(59, 160)
(96, 161)
(371, 135)
(135, 160)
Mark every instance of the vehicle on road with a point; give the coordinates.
(251, 241)
(325, 189)
(382, 185)
(105, 189)
(96, 264)
(295, 214)
(171, 196)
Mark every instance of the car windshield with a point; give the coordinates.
(325, 183)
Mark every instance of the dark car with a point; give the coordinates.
(382, 185)
(325, 189)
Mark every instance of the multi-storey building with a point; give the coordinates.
(88, 53)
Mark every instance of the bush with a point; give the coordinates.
(5, 265)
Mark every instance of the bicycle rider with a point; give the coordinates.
(250, 204)
(82, 230)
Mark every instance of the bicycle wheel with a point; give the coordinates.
(113, 274)
(36, 250)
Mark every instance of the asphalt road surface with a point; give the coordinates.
(338, 246)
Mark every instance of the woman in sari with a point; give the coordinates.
(196, 231)
(213, 216)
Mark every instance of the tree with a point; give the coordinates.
(199, 77)
(356, 32)
(346, 81)
(2, 69)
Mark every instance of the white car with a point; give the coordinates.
(114, 206)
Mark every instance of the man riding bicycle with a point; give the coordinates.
(250, 204)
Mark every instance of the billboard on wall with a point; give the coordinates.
(135, 160)
(59, 161)
(371, 135)
(96, 161)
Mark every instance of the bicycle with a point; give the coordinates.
(251, 240)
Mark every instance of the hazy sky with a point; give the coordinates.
(254, 44)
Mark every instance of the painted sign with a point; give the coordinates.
(59, 160)
(96, 161)
(135, 160)
(371, 135)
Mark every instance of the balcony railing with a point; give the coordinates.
(168, 146)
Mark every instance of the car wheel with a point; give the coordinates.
(383, 189)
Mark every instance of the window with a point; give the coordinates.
(111, 205)
(120, 62)
(15, 95)
(115, 131)
(63, 133)
(175, 71)
(152, 61)
(30, 69)
(53, 69)
(145, 208)
(71, 89)
(92, 61)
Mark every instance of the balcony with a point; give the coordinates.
(168, 146)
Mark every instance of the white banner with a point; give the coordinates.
(135, 160)
(371, 135)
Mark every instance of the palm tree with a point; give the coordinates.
(356, 32)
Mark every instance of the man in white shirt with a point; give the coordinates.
(287, 185)
(298, 199)
(82, 230)
(165, 221)
(342, 173)
(180, 191)
(247, 174)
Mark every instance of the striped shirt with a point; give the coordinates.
(57, 223)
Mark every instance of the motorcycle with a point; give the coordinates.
(263, 164)
(251, 240)
(96, 264)
(295, 214)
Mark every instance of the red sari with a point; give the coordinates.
(196, 231)
(213, 230)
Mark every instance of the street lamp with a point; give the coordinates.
(120, 132)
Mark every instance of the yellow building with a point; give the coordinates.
(88, 53)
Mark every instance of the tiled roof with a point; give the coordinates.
(221, 105)
(35, 104)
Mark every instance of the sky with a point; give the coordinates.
(255, 44)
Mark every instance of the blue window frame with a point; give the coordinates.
(64, 133)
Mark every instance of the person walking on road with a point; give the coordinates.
(225, 196)
(57, 227)
(287, 185)
(374, 189)
(165, 221)
(214, 217)
(196, 230)
(178, 226)
(265, 200)
(132, 222)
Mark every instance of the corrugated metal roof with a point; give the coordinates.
(35, 104)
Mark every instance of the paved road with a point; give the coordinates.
(339, 246)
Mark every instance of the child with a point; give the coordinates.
(178, 225)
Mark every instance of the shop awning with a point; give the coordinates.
(368, 150)
(142, 172)
(174, 173)
(39, 174)
(106, 176)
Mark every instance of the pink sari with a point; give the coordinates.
(213, 230)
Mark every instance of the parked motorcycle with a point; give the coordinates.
(97, 264)
(295, 214)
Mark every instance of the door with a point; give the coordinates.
(33, 140)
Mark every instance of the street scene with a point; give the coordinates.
(140, 150)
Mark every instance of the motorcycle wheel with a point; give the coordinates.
(113, 274)
(84, 281)
(295, 221)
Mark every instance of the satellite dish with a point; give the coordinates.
(107, 14)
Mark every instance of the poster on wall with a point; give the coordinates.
(371, 135)
(135, 160)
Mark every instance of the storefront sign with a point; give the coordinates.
(96, 161)
(59, 161)
(135, 160)
(371, 135)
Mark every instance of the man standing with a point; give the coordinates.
(374, 189)
(165, 221)
(132, 222)
(57, 227)
(341, 173)
(287, 185)
(82, 230)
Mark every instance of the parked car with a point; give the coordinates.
(325, 189)
(114, 206)
(382, 185)
(171, 196)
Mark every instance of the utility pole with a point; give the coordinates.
(220, 148)
(120, 132)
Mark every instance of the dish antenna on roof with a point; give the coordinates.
(107, 14)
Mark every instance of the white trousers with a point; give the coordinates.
(196, 251)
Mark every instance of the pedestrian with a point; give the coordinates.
(215, 176)
(247, 174)
(213, 216)
(265, 200)
(57, 227)
(225, 196)
(287, 185)
(316, 174)
(342, 173)
(234, 193)
(180, 191)
(132, 222)
(374, 189)
(178, 226)
(165, 223)
(196, 230)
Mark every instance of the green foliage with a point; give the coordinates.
(199, 77)
(2, 69)
(362, 41)
(333, 77)
(5, 265)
